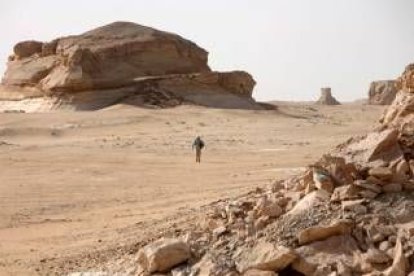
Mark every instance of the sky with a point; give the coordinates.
(291, 47)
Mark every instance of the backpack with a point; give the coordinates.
(201, 143)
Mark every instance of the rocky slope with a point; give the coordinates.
(350, 213)
(382, 92)
(108, 64)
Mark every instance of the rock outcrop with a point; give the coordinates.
(120, 60)
(382, 92)
(326, 97)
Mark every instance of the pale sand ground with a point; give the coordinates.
(76, 182)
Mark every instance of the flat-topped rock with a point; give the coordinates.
(326, 97)
(117, 63)
(106, 57)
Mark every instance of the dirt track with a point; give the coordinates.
(84, 182)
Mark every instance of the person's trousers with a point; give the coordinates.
(198, 155)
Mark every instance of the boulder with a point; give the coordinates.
(335, 251)
(163, 254)
(382, 92)
(266, 256)
(318, 233)
(326, 97)
(376, 148)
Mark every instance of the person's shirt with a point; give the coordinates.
(198, 143)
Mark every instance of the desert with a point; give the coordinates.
(268, 141)
(86, 183)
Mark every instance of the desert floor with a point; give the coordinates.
(76, 183)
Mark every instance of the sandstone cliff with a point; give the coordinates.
(382, 92)
(106, 65)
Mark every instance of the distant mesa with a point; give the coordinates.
(382, 92)
(326, 97)
(121, 62)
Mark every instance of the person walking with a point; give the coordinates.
(198, 144)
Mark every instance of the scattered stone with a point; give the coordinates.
(266, 256)
(399, 264)
(355, 206)
(322, 180)
(319, 233)
(331, 251)
(365, 185)
(347, 192)
(310, 201)
(272, 210)
(381, 173)
(377, 256)
(256, 272)
(219, 231)
(392, 188)
(163, 254)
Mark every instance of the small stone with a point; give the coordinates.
(261, 223)
(373, 180)
(317, 233)
(384, 246)
(368, 186)
(367, 194)
(377, 256)
(354, 206)
(347, 192)
(392, 188)
(256, 272)
(323, 181)
(382, 173)
(409, 185)
(219, 231)
(272, 210)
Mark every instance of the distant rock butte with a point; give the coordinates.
(382, 92)
(326, 97)
(120, 60)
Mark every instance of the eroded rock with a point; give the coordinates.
(162, 255)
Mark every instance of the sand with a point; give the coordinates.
(76, 183)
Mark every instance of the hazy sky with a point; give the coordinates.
(291, 47)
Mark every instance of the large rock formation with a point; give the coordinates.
(110, 63)
(382, 92)
(326, 97)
